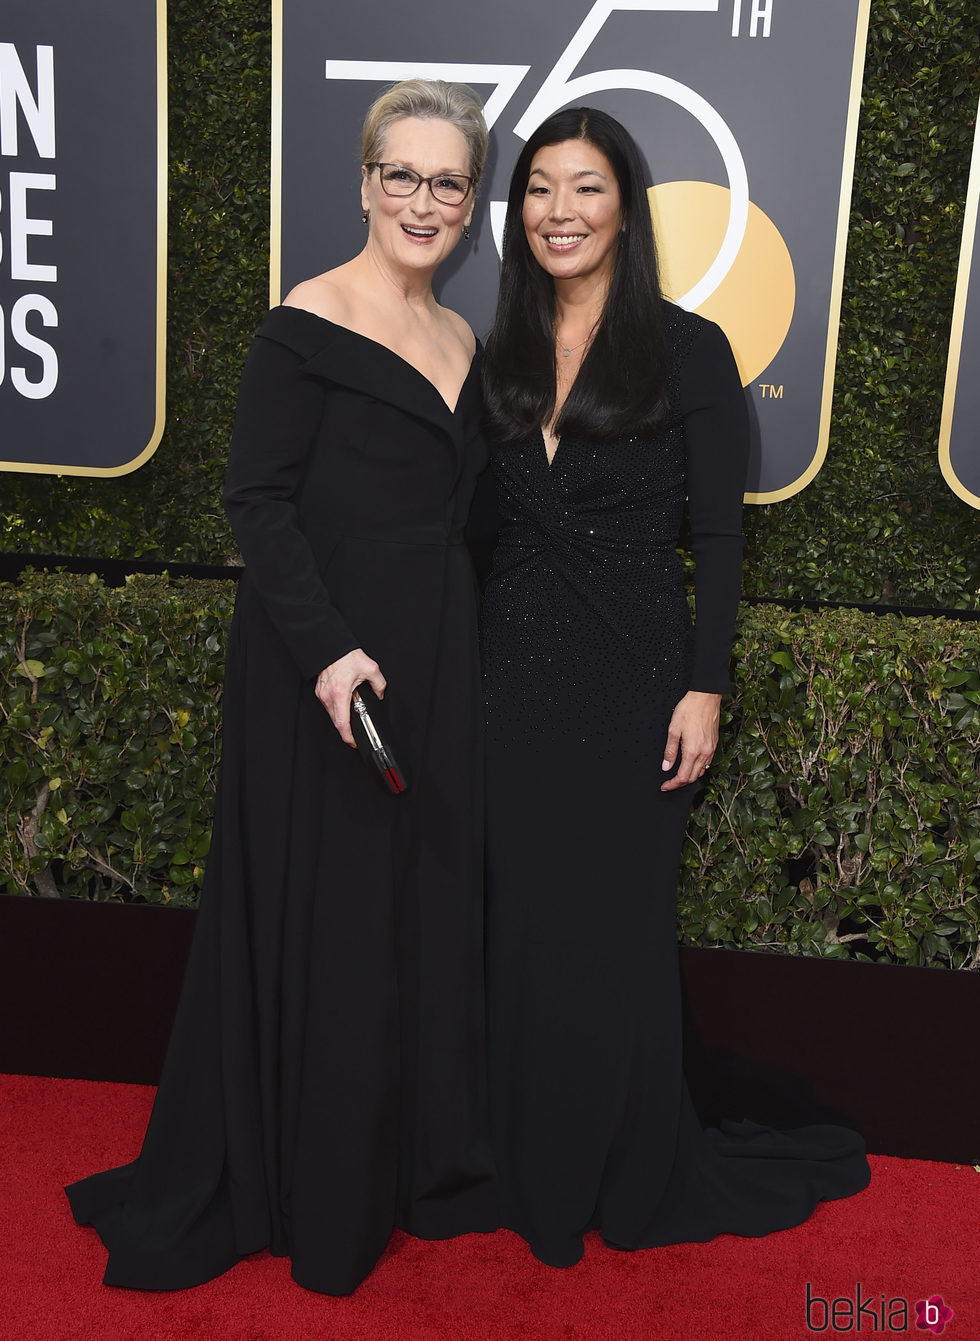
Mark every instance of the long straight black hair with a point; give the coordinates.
(621, 386)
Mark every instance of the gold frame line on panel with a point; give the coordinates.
(840, 253)
(275, 174)
(160, 378)
(967, 242)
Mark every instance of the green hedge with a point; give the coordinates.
(877, 524)
(842, 815)
(840, 819)
(111, 705)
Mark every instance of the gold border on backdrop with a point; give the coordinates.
(956, 332)
(275, 183)
(840, 252)
(160, 378)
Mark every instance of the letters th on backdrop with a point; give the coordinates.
(746, 111)
(83, 235)
(959, 434)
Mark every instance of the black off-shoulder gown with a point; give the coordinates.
(587, 646)
(325, 1075)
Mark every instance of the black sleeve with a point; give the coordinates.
(276, 425)
(483, 525)
(716, 433)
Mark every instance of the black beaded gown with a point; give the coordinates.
(587, 647)
(325, 1078)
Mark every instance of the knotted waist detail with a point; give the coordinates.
(611, 560)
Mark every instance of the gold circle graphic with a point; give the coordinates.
(754, 302)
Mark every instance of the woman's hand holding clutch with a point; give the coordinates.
(693, 731)
(337, 682)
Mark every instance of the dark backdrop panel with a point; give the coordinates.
(103, 414)
(703, 88)
(959, 440)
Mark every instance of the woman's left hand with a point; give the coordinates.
(693, 731)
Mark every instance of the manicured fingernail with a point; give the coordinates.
(665, 765)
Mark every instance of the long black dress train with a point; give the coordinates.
(587, 647)
(324, 1079)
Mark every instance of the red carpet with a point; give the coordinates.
(914, 1233)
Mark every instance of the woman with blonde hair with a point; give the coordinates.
(324, 1080)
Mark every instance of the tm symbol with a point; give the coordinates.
(770, 392)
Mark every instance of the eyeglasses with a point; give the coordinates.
(449, 188)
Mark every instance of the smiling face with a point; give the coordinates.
(417, 231)
(572, 211)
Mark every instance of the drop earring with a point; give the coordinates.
(466, 232)
(365, 216)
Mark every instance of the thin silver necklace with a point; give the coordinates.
(571, 348)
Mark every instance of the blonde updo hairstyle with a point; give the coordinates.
(428, 99)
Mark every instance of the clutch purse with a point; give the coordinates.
(373, 744)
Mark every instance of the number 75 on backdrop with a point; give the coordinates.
(746, 111)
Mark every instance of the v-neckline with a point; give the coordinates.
(549, 461)
(451, 410)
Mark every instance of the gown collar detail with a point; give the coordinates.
(345, 357)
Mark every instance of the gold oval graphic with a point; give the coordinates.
(754, 302)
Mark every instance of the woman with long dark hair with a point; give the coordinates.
(611, 410)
